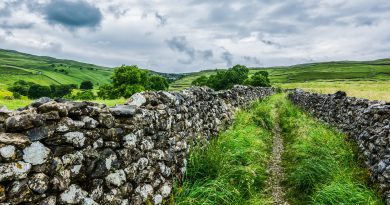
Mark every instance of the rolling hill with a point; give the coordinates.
(47, 70)
(365, 79)
(376, 70)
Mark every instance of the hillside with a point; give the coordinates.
(47, 70)
(366, 79)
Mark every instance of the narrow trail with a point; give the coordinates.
(275, 167)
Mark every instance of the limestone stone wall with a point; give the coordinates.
(366, 122)
(62, 152)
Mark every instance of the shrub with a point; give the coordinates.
(86, 85)
(108, 92)
(59, 91)
(237, 75)
(158, 83)
(20, 87)
(259, 79)
(37, 91)
(227, 79)
(200, 81)
(83, 95)
(16, 95)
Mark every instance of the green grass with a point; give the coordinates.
(232, 168)
(321, 165)
(16, 66)
(372, 76)
(39, 69)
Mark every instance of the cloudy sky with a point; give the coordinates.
(191, 35)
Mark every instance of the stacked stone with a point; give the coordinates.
(367, 122)
(62, 152)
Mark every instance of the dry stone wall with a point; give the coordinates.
(366, 122)
(62, 152)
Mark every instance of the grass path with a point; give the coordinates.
(275, 169)
(274, 153)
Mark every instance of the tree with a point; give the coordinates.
(107, 91)
(86, 85)
(37, 91)
(158, 83)
(128, 80)
(200, 81)
(59, 91)
(225, 79)
(21, 87)
(259, 79)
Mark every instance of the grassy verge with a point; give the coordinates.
(321, 166)
(232, 168)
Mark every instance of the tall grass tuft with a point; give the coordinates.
(232, 168)
(345, 190)
(320, 163)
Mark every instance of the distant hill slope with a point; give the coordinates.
(47, 70)
(376, 70)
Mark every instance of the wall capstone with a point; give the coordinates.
(63, 152)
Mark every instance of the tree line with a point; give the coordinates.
(237, 75)
(34, 90)
(127, 80)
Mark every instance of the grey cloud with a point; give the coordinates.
(365, 21)
(162, 20)
(180, 44)
(206, 54)
(5, 12)
(118, 11)
(7, 25)
(288, 31)
(251, 59)
(72, 14)
(227, 57)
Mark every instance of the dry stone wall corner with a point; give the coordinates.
(62, 152)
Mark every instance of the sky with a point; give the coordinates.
(193, 35)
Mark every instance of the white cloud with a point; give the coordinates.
(216, 33)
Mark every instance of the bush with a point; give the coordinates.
(33, 90)
(259, 79)
(83, 95)
(86, 85)
(8, 98)
(158, 83)
(200, 81)
(36, 91)
(16, 96)
(237, 75)
(227, 79)
(20, 87)
(107, 92)
(59, 91)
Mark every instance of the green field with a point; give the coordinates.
(46, 70)
(365, 79)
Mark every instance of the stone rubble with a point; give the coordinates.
(366, 122)
(63, 152)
